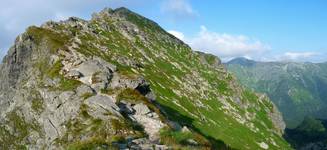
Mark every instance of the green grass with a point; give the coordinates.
(65, 84)
(16, 139)
(36, 101)
(37, 105)
(87, 95)
(68, 84)
(90, 144)
(180, 140)
(54, 70)
(177, 137)
(109, 91)
(84, 111)
(131, 95)
(53, 40)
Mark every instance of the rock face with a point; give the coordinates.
(121, 81)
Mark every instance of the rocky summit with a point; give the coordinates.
(119, 81)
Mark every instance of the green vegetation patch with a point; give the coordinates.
(37, 105)
(93, 143)
(87, 95)
(68, 84)
(52, 39)
(183, 140)
(22, 129)
(131, 95)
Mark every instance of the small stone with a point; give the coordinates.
(150, 96)
(140, 141)
(161, 147)
(50, 82)
(263, 145)
(82, 89)
(74, 74)
(185, 129)
(192, 142)
(146, 147)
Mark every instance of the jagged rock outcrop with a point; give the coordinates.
(121, 81)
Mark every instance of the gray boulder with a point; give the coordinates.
(101, 105)
(141, 109)
(95, 71)
(83, 89)
(127, 82)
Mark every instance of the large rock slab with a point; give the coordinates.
(101, 105)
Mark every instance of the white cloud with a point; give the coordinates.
(294, 56)
(179, 9)
(177, 34)
(224, 45)
(297, 56)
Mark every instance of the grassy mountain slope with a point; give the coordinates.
(298, 89)
(192, 88)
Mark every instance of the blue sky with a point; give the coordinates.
(262, 30)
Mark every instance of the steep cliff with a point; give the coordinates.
(119, 80)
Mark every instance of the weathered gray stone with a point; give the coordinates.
(105, 64)
(277, 120)
(151, 96)
(125, 82)
(47, 82)
(74, 74)
(141, 109)
(153, 115)
(146, 146)
(82, 89)
(161, 147)
(95, 71)
(151, 126)
(101, 105)
(139, 141)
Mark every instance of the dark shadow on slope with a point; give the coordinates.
(174, 115)
(311, 132)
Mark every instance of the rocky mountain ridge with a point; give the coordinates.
(121, 81)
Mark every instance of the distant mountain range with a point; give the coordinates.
(298, 89)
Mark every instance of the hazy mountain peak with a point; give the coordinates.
(242, 61)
